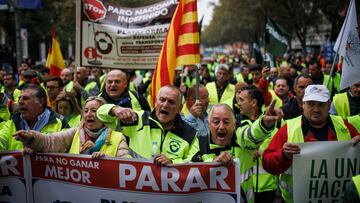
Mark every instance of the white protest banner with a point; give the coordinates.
(70, 178)
(12, 180)
(112, 36)
(322, 170)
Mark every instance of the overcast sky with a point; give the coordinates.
(205, 9)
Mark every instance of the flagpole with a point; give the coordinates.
(197, 95)
(337, 50)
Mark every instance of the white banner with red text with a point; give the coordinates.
(113, 36)
(78, 178)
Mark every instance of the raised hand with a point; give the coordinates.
(265, 73)
(197, 109)
(77, 86)
(272, 115)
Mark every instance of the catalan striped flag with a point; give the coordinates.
(55, 60)
(181, 46)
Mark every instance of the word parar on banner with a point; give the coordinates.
(118, 180)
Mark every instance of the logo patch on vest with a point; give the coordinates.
(174, 146)
(344, 130)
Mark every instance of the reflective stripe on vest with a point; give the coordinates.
(342, 106)
(135, 155)
(226, 98)
(109, 148)
(264, 181)
(295, 135)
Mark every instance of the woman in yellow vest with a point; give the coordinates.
(90, 137)
(66, 105)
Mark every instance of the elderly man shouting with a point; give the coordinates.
(160, 134)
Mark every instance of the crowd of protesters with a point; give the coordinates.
(245, 109)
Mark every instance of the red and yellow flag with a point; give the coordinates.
(54, 60)
(181, 46)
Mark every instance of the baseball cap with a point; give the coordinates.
(222, 66)
(316, 93)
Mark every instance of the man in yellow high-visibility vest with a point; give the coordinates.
(221, 91)
(314, 125)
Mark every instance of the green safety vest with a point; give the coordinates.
(246, 163)
(135, 105)
(226, 98)
(355, 121)
(16, 95)
(74, 121)
(356, 181)
(10, 127)
(332, 82)
(246, 171)
(110, 147)
(240, 78)
(279, 102)
(249, 136)
(266, 181)
(190, 82)
(342, 106)
(147, 137)
(185, 111)
(295, 135)
(132, 87)
(5, 113)
(102, 81)
(337, 79)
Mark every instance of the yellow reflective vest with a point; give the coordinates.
(341, 103)
(295, 135)
(110, 147)
(226, 98)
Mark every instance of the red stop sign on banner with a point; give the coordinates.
(94, 10)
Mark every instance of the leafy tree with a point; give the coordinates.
(234, 19)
